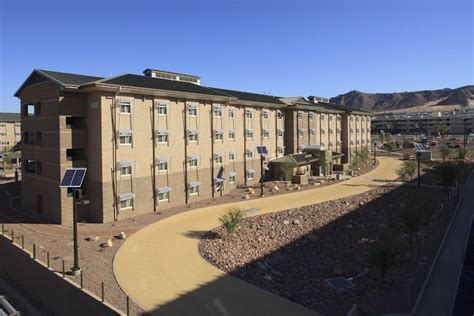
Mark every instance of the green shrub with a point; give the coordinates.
(381, 255)
(448, 173)
(389, 147)
(408, 169)
(232, 218)
(463, 153)
(444, 151)
(287, 169)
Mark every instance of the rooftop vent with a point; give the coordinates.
(315, 100)
(172, 76)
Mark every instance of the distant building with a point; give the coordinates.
(424, 122)
(10, 130)
(161, 140)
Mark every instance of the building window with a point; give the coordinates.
(192, 135)
(231, 155)
(280, 151)
(164, 194)
(231, 134)
(231, 113)
(125, 140)
(280, 115)
(32, 109)
(265, 115)
(193, 188)
(300, 115)
(250, 174)
(331, 131)
(249, 153)
(218, 158)
(127, 203)
(311, 115)
(126, 170)
(265, 133)
(330, 117)
(311, 131)
(218, 135)
(248, 114)
(249, 133)
(217, 110)
(124, 107)
(192, 110)
(299, 149)
(322, 116)
(162, 136)
(162, 164)
(280, 132)
(193, 161)
(232, 177)
(300, 132)
(162, 108)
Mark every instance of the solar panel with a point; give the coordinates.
(339, 283)
(73, 178)
(262, 150)
(419, 147)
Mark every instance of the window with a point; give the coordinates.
(280, 115)
(192, 135)
(232, 177)
(162, 164)
(280, 151)
(265, 133)
(125, 170)
(280, 132)
(162, 108)
(29, 166)
(218, 158)
(32, 109)
(300, 132)
(231, 155)
(322, 116)
(128, 203)
(323, 131)
(265, 115)
(232, 134)
(219, 184)
(193, 188)
(193, 161)
(331, 131)
(330, 117)
(330, 144)
(311, 131)
(125, 140)
(300, 115)
(311, 115)
(162, 136)
(192, 109)
(218, 134)
(231, 113)
(124, 107)
(217, 110)
(249, 133)
(164, 194)
(249, 153)
(248, 114)
(250, 174)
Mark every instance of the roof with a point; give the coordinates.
(297, 159)
(169, 72)
(248, 96)
(10, 117)
(161, 84)
(343, 108)
(68, 78)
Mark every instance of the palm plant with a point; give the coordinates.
(232, 218)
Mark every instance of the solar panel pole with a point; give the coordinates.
(261, 174)
(75, 269)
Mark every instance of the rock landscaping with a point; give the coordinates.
(291, 252)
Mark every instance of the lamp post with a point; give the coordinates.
(262, 158)
(76, 195)
(418, 158)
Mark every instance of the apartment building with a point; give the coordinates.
(458, 122)
(154, 141)
(10, 130)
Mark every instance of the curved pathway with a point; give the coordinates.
(161, 269)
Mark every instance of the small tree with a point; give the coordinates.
(444, 151)
(441, 129)
(287, 168)
(448, 173)
(382, 255)
(408, 170)
(463, 153)
(412, 220)
(232, 218)
(406, 143)
(388, 147)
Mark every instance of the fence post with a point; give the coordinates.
(13, 236)
(103, 295)
(64, 272)
(47, 259)
(128, 306)
(22, 241)
(82, 279)
(34, 251)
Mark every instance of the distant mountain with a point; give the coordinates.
(430, 100)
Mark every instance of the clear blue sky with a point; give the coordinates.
(288, 48)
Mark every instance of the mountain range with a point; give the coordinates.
(426, 100)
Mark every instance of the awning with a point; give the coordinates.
(249, 130)
(194, 184)
(218, 131)
(164, 189)
(217, 106)
(193, 157)
(312, 129)
(191, 106)
(219, 180)
(265, 130)
(127, 196)
(232, 174)
(125, 163)
(125, 132)
(161, 160)
(217, 155)
(162, 131)
(281, 130)
(251, 171)
(300, 129)
(231, 130)
(193, 132)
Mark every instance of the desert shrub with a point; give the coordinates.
(287, 169)
(444, 152)
(406, 143)
(381, 255)
(463, 153)
(389, 147)
(407, 170)
(232, 218)
(412, 219)
(448, 173)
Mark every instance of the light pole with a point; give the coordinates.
(262, 158)
(76, 195)
(418, 158)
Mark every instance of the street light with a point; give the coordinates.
(262, 150)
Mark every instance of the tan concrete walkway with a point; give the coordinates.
(160, 267)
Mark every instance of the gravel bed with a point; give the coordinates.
(291, 252)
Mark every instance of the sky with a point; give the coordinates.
(284, 48)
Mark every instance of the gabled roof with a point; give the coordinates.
(60, 78)
(248, 96)
(343, 108)
(294, 100)
(160, 84)
(10, 117)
